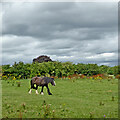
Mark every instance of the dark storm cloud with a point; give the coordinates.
(58, 18)
(65, 31)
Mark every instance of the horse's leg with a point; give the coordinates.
(36, 89)
(48, 90)
(34, 86)
(30, 91)
(42, 91)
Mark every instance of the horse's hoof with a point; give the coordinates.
(50, 93)
(42, 93)
(37, 92)
(30, 91)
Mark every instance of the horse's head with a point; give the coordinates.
(53, 82)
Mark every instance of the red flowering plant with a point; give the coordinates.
(117, 76)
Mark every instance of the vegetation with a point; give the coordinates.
(72, 98)
(82, 91)
(56, 69)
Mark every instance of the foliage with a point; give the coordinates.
(55, 69)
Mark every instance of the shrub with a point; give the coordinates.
(57, 69)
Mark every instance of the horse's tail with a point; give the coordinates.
(31, 83)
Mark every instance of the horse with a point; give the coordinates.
(41, 81)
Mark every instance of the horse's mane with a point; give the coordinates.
(36, 78)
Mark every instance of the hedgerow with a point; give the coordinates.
(22, 70)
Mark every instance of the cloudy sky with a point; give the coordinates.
(75, 31)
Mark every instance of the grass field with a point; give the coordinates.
(81, 98)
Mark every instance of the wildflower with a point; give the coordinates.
(49, 105)
(14, 78)
(24, 105)
(64, 104)
(60, 106)
(104, 116)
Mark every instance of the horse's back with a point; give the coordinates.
(47, 79)
(38, 81)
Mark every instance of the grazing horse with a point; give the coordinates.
(41, 81)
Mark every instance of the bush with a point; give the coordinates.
(56, 69)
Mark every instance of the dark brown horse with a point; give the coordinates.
(41, 81)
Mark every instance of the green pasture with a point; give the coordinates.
(81, 98)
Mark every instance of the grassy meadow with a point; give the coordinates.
(81, 98)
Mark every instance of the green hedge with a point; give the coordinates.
(59, 69)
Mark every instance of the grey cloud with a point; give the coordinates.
(43, 21)
(64, 31)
